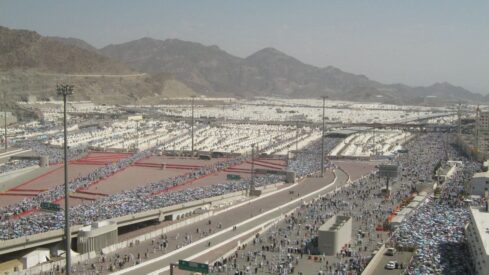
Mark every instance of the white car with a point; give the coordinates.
(390, 265)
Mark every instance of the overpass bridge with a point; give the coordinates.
(174, 212)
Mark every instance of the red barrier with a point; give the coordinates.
(18, 194)
(238, 169)
(265, 165)
(238, 172)
(36, 178)
(28, 190)
(168, 165)
(91, 193)
(78, 162)
(271, 163)
(81, 198)
(110, 153)
(23, 214)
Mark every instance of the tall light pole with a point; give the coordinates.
(296, 137)
(5, 118)
(193, 98)
(459, 115)
(66, 90)
(477, 128)
(252, 181)
(137, 137)
(322, 139)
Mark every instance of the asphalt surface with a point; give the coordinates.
(226, 220)
(291, 234)
(400, 257)
(186, 253)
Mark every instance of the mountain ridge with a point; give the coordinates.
(31, 64)
(266, 72)
(209, 70)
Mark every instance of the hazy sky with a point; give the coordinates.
(412, 42)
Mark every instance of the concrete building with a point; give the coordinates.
(33, 258)
(477, 239)
(482, 132)
(97, 236)
(479, 184)
(334, 234)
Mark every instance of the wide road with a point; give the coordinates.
(248, 218)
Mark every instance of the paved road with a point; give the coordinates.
(256, 211)
(400, 257)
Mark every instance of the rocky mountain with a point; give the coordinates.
(146, 69)
(75, 42)
(211, 71)
(31, 64)
(21, 49)
(206, 69)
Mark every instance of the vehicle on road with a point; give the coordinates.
(390, 251)
(390, 265)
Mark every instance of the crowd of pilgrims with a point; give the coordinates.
(282, 249)
(435, 230)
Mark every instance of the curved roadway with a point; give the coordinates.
(248, 218)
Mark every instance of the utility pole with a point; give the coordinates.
(375, 144)
(296, 137)
(322, 139)
(477, 128)
(193, 98)
(459, 114)
(137, 137)
(5, 118)
(66, 90)
(252, 181)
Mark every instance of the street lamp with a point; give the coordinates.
(322, 140)
(66, 90)
(252, 181)
(296, 137)
(193, 98)
(5, 118)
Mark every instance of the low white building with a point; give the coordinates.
(97, 236)
(33, 258)
(477, 239)
(334, 234)
(479, 184)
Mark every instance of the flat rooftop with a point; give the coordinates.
(339, 221)
(481, 175)
(482, 225)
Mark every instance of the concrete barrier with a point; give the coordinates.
(52, 266)
(53, 236)
(249, 239)
(369, 269)
(13, 153)
(150, 235)
(309, 196)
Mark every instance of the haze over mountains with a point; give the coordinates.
(179, 68)
(31, 64)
